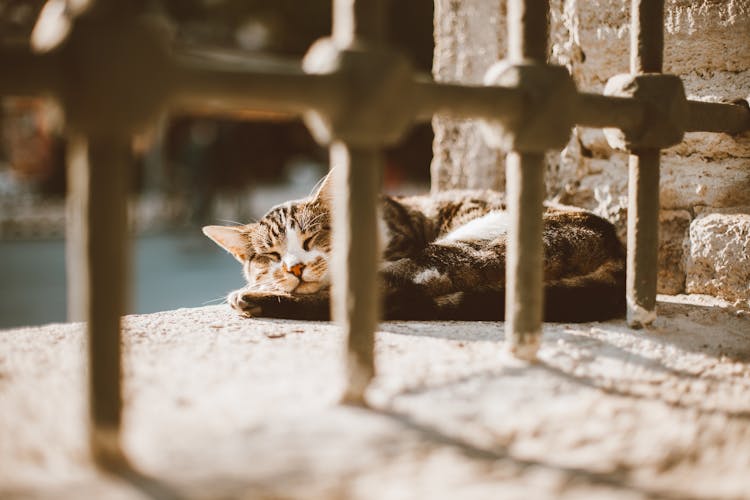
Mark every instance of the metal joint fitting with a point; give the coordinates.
(547, 115)
(665, 106)
(99, 93)
(376, 101)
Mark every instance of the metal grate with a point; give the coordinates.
(114, 73)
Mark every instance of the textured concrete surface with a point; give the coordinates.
(223, 407)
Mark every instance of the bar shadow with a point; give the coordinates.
(678, 325)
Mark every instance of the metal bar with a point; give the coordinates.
(643, 236)
(527, 41)
(527, 30)
(717, 117)
(464, 101)
(646, 46)
(356, 21)
(97, 273)
(357, 180)
(646, 36)
(595, 110)
(524, 253)
(228, 82)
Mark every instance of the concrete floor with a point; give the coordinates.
(223, 407)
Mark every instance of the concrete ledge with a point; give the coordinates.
(223, 407)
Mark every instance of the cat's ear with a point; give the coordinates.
(230, 238)
(324, 191)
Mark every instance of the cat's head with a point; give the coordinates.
(288, 249)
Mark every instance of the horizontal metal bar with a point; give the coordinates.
(231, 83)
(717, 117)
(595, 110)
(466, 101)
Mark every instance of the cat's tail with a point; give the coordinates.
(597, 296)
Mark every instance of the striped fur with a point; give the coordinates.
(443, 258)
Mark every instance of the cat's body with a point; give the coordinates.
(443, 257)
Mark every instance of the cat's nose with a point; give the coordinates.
(295, 269)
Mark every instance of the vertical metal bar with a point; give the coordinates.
(357, 179)
(97, 258)
(527, 30)
(524, 253)
(357, 175)
(527, 41)
(646, 36)
(646, 48)
(358, 20)
(643, 236)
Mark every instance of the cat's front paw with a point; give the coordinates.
(246, 303)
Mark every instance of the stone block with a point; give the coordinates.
(718, 261)
(673, 233)
(468, 40)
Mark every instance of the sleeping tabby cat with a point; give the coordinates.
(443, 257)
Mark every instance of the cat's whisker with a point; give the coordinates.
(217, 300)
(316, 186)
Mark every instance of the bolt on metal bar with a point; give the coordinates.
(646, 47)
(527, 40)
(97, 272)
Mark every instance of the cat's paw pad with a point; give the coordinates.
(245, 303)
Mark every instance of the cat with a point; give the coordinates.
(443, 257)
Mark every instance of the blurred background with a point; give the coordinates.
(190, 170)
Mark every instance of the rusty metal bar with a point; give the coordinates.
(527, 41)
(646, 47)
(97, 273)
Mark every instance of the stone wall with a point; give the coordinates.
(705, 186)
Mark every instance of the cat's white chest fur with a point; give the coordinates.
(487, 227)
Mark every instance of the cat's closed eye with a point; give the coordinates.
(272, 255)
(306, 244)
